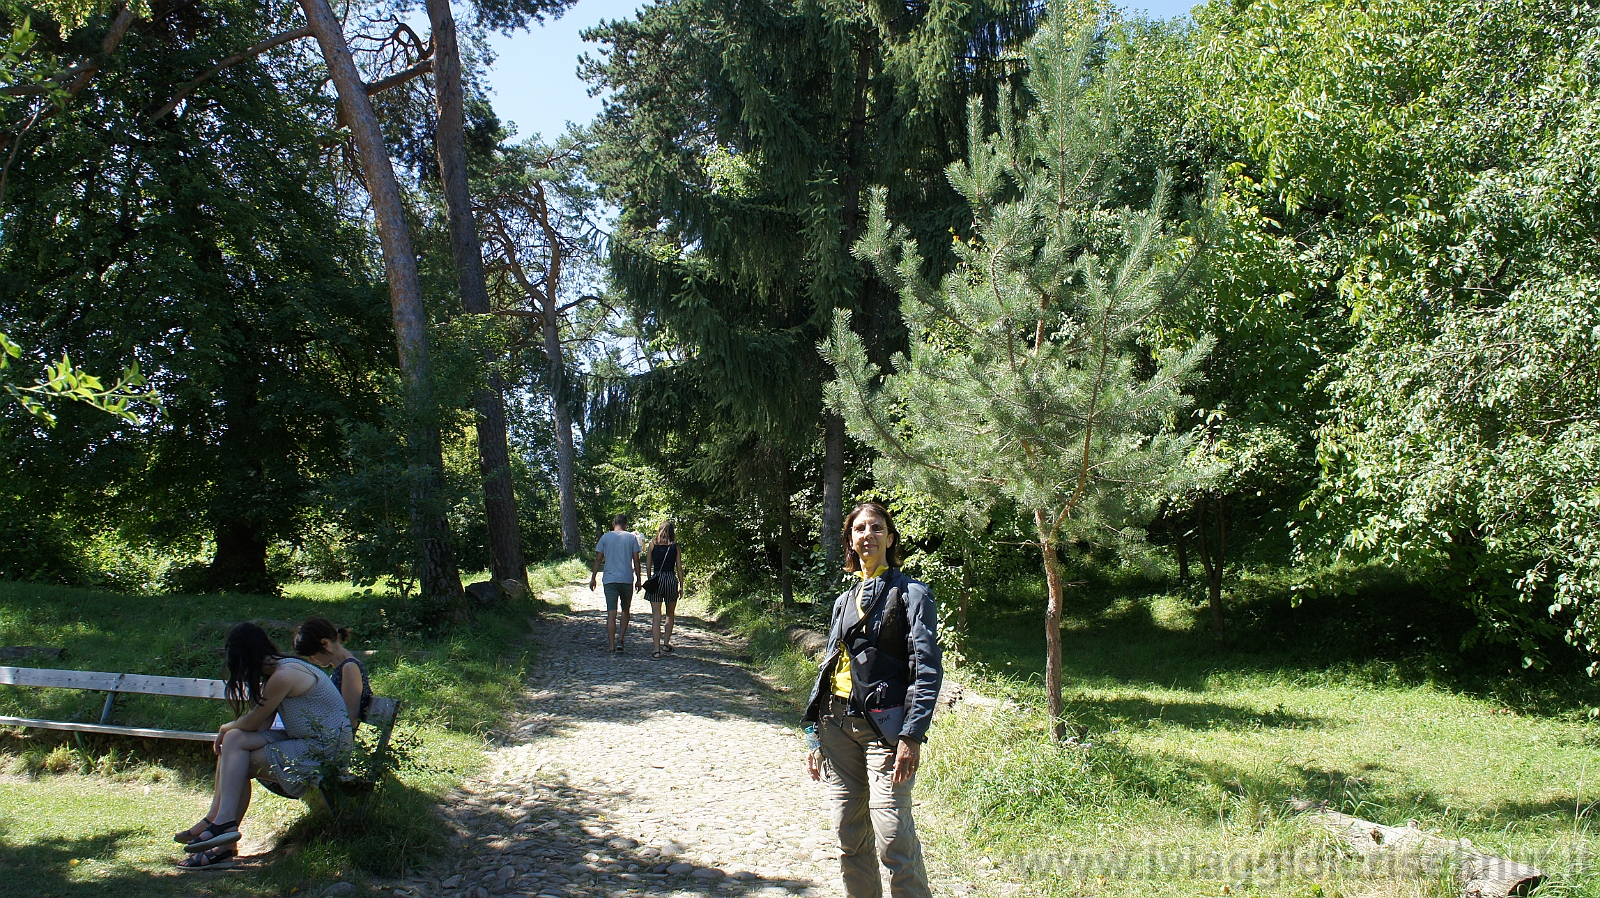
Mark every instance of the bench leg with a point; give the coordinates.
(105, 713)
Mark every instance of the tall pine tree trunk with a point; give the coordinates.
(833, 492)
(1052, 624)
(833, 425)
(785, 532)
(1212, 558)
(566, 454)
(1180, 543)
(436, 562)
(494, 456)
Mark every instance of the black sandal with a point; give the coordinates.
(220, 858)
(185, 836)
(656, 654)
(214, 835)
(666, 647)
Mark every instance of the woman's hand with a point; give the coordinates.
(814, 764)
(906, 760)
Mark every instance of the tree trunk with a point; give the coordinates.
(566, 453)
(1052, 625)
(785, 533)
(833, 492)
(833, 425)
(494, 456)
(1212, 559)
(240, 561)
(1180, 544)
(967, 585)
(436, 562)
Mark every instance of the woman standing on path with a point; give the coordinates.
(666, 572)
(262, 683)
(871, 707)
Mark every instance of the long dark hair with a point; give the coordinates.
(668, 533)
(248, 650)
(309, 635)
(891, 557)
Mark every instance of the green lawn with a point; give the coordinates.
(1187, 752)
(94, 816)
(1190, 749)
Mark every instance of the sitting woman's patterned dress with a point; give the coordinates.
(316, 735)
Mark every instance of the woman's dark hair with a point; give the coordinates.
(248, 650)
(852, 561)
(308, 637)
(667, 533)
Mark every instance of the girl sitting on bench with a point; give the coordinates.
(320, 642)
(264, 682)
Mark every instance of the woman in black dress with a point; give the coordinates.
(666, 572)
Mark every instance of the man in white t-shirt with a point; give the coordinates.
(618, 553)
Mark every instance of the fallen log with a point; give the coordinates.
(1477, 874)
(806, 640)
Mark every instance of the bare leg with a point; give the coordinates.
(233, 775)
(622, 632)
(672, 618)
(611, 628)
(655, 624)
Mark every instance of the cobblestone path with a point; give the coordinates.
(627, 776)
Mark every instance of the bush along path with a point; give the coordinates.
(626, 776)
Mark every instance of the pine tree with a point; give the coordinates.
(740, 142)
(1027, 379)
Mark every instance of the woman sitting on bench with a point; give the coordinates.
(263, 682)
(320, 642)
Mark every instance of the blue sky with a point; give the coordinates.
(534, 81)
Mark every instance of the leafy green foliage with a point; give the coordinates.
(1027, 380)
(64, 380)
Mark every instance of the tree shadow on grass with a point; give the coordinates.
(1103, 714)
(47, 870)
(1389, 635)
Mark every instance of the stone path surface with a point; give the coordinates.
(626, 776)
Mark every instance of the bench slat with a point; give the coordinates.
(140, 732)
(96, 681)
(180, 687)
(59, 679)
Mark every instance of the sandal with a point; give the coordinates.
(656, 655)
(185, 836)
(220, 858)
(214, 835)
(666, 647)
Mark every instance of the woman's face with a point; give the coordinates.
(870, 537)
(325, 657)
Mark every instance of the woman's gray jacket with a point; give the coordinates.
(894, 652)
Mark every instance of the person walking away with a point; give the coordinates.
(317, 640)
(666, 573)
(262, 682)
(870, 709)
(618, 553)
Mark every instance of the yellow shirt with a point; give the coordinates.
(841, 669)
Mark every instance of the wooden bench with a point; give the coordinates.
(381, 714)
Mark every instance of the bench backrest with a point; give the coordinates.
(96, 681)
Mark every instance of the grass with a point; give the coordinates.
(92, 815)
(1184, 751)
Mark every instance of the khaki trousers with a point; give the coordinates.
(870, 811)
